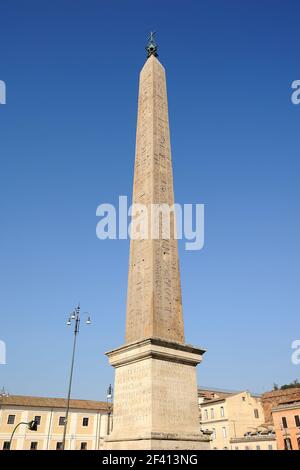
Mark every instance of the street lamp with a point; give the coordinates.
(109, 398)
(32, 426)
(75, 316)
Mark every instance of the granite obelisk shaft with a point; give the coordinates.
(154, 306)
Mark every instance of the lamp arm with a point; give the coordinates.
(12, 434)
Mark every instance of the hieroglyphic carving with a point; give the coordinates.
(154, 305)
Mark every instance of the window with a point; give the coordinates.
(256, 413)
(213, 436)
(284, 422)
(61, 421)
(59, 446)
(37, 419)
(287, 444)
(257, 447)
(212, 413)
(205, 414)
(83, 446)
(11, 419)
(6, 445)
(236, 448)
(297, 420)
(222, 411)
(247, 448)
(244, 398)
(33, 445)
(85, 421)
(298, 442)
(224, 432)
(270, 447)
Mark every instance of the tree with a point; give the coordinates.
(294, 384)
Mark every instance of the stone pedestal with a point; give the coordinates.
(155, 401)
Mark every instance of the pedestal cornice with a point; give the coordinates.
(155, 348)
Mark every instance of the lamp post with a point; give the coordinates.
(109, 398)
(75, 316)
(32, 426)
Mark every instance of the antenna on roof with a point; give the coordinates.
(4, 393)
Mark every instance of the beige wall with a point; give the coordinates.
(85, 430)
(8, 428)
(28, 441)
(215, 419)
(241, 410)
(55, 427)
(238, 418)
(252, 444)
(49, 431)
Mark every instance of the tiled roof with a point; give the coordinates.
(214, 400)
(289, 402)
(272, 399)
(213, 393)
(286, 405)
(217, 391)
(295, 391)
(23, 400)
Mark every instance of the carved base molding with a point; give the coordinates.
(156, 401)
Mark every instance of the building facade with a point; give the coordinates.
(261, 439)
(229, 417)
(274, 398)
(232, 420)
(88, 423)
(286, 417)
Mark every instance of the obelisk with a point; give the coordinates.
(155, 400)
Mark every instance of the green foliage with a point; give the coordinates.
(294, 384)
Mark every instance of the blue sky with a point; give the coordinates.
(67, 136)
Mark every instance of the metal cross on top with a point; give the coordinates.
(152, 46)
